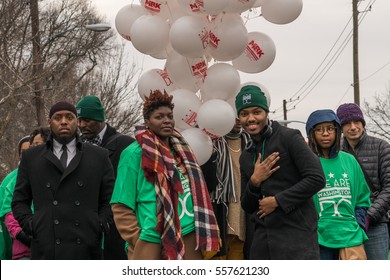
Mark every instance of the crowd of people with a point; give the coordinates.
(82, 190)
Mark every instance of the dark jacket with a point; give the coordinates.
(374, 156)
(70, 206)
(115, 143)
(290, 232)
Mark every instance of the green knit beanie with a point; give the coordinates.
(90, 107)
(251, 96)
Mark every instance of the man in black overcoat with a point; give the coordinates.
(70, 185)
(94, 129)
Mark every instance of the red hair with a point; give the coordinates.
(156, 100)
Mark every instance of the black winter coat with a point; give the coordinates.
(374, 156)
(115, 143)
(70, 206)
(290, 232)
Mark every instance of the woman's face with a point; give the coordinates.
(161, 122)
(325, 135)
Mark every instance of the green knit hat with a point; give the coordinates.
(251, 96)
(90, 107)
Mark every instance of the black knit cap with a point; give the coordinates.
(62, 106)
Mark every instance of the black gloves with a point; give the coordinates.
(24, 238)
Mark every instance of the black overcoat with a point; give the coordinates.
(70, 205)
(115, 143)
(290, 232)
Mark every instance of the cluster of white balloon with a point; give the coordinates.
(189, 34)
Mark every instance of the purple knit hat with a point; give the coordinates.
(350, 112)
(62, 106)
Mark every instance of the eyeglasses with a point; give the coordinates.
(328, 129)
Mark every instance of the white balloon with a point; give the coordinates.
(186, 108)
(259, 54)
(228, 37)
(163, 54)
(214, 7)
(187, 73)
(150, 34)
(157, 7)
(189, 36)
(200, 143)
(263, 89)
(125, 17)
(232, 102)
(239, 6)
(281, 11)
(222, 82)
(257, 3)
(154, 79)
(216, 117)
(192, 7)
(203, 7)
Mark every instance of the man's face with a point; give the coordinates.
(63, 125)
(253, 120)
(353, 130)
(237, 126)
(90, 128)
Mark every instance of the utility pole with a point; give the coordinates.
(356, 83)
(37, 67)
(285, 111)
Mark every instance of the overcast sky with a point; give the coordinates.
(301, 47)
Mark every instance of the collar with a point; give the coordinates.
(77, 142)
(71, 146)
(101, 133)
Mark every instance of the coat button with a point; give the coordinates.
(56, 222)
(55, 202)
(58, 241)
(77, 203)
(48, 185)
(80, 184)
(78, 241)
(76, 223)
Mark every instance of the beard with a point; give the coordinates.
(64, 139)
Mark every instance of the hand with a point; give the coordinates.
(264, 169)
(267, 205)
(24, 238)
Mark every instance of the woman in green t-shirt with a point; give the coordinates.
(342, 203)
(160, 201)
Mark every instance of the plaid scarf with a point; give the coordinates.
(159, 168)
(96, 140)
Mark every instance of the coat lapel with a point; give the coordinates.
(72, 164)
(48, 154)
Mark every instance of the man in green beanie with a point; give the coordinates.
(91, 121)
(279, 176)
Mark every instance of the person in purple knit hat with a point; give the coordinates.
(373, 155)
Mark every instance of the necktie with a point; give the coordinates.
(64, 156)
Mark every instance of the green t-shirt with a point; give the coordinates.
(133, 190)
(345, 189)
(7, 188)
(5, 207)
